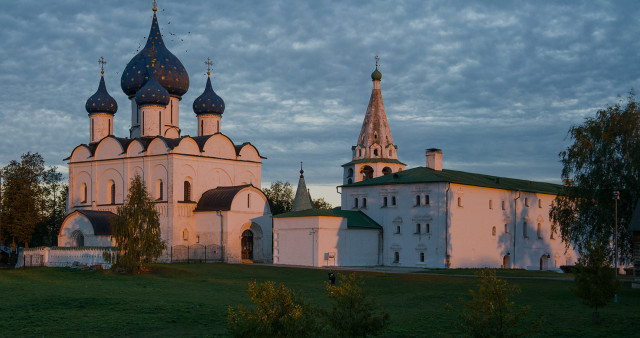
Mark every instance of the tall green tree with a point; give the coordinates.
(55, 191)
(280, 196)
(137, 230)
(604, 156)
(595, 281)
(23, 199)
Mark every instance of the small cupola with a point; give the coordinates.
(101, 107)
(209, 102)
(101, 101)
(152, 93)
(376, 75)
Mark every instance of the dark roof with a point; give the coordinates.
(373, 160)
(102, 221)
(219, 198)
(169, 71)
(427, 175)
(101, 101)
(355, 219)
(209, 102)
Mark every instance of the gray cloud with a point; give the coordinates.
(495, 85)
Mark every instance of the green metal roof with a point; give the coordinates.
(355, 219)
(373, 160)
(427, 175)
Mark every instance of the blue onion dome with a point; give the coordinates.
(170, 72)
(152, 93)
(209, 102)
(101, 101)
(376, 75)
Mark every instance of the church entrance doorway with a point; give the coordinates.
(247, 245)
(506, 261)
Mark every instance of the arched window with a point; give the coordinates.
(459, 201)
(160, 190)
(396, 257)
(539, 231)
(417, 200)
(355, 202)
(490, 204)
(418, 228)
(386, 171)
(185, 234)
(187, 191)
(350, 172)
(393, 200)
(83, 193)
(504, 205)
(367, 173)
(539, 203)
(422, 257)
(77, 238)
(112, 192)
(426, 200)
(427, 228)
(384, 201)
(375, 152)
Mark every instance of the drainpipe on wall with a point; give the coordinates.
(446, 227)
(515, 226)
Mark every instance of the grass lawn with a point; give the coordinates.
(192, 300)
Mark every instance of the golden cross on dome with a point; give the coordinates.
(377, 61)
(155, 6)
(102, 62)
(209, 64)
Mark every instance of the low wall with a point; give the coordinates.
(64, 256)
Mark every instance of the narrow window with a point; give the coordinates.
(506, 228)
(92, 131)
(201, 128)
(396, 256)
(490, 204)
(422, 257)
(460, 201)
(159, 123)
(493, 232)
(526, 202)
(187, 191)
(504, 205)
(83, 193)
(137, 114)
(112, 198)
(375, 152)
(418, 228)
(364, 202)
(248, 201)
(171, 115)
(390, 152)
(426, 200)
(397, 229)
(427, 228)
(355, 203)
(524, 230)
(393, 200)
(109, 127)
(160, 190)
(143, 123)
(218, 124)
(384, 201)
(197, 238)
(539, 231)
(185, 234)
(539, 203)
(417, 200)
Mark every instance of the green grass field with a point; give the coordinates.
(192, 300)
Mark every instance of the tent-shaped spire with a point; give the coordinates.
(302, 201)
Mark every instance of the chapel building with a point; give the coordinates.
(206, 188)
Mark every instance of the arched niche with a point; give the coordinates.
(108, 148)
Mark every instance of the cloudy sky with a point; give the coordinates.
(495, 84)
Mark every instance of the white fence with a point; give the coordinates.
(66, 256)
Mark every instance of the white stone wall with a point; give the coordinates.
(323, 241)
(61, 257)
(464, 232)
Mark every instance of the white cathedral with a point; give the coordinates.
(207, 192)
(206, 188)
